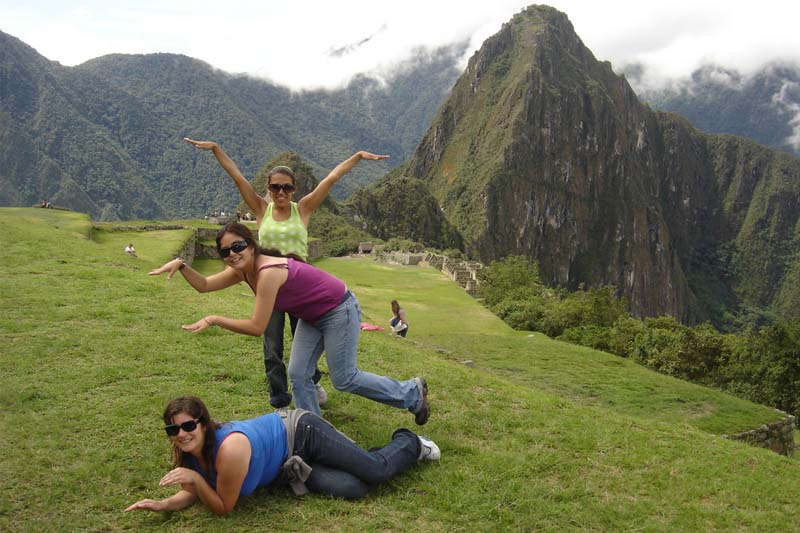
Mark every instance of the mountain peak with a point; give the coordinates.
(543, 151)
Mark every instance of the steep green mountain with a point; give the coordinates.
(543, 151)
(51, 149)
(105, 136)
(404, 207)
(764, 106)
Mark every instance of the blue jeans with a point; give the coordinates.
(337, 333)
(341, 468)
(279, 395)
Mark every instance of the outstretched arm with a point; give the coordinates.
(180, 500)
(222, 280)
(232, 463)
(309, 203)
(256, 203)
(269, 281)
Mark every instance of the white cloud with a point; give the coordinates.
(787, 101)
(290, 42)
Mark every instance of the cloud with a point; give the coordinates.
(315, 43)
(350, 48)
(787, 99)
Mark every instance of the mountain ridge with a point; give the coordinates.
(543, 151)
(110, 129)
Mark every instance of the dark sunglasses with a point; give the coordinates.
(285, 187)
(188, 426)
(238, 247)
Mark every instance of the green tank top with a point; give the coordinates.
(288, 236)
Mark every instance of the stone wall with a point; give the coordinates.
(314, 249)
(401, 258)
(465, 273)
(145, 227)
(188, 250)
(776, 436)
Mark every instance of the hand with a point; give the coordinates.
(200, 325)
(179, 476)
(202, 145)
(150, 505)
(170, 267)
(372, 157)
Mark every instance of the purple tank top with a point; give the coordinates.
(309, 292)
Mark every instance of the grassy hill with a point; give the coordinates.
(535, 435)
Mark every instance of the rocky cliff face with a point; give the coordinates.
(541, 150)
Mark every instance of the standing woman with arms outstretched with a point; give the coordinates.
(283, 228)
(330, 320)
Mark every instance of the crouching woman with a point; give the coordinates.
(219, 462)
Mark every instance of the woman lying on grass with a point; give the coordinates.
(330, 320)
(217, 463)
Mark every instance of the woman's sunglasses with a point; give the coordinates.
(285, 187)
(188, 426)
(238, 247)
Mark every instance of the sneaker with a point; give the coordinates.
(421, 416)
(428, 450)
(322, 396)
(283, 412)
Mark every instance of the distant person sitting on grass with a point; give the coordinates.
(398, 322)
(283, 227)
(330, 320)
(216, 463)
(130, 250)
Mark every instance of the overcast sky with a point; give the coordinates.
(309, 43)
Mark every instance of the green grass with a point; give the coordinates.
(537, 435)
(443, 317)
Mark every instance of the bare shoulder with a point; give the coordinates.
(272, 269)
(270, 261)
(235, 447)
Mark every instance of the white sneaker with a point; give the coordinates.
(429, 451)
(283, 412)
(322, 396)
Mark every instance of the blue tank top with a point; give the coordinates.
(267, 436)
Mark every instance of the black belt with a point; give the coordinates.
(347, 295)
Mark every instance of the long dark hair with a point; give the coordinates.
(395, 308)
(247, 236)
(242, 231)
(194, 407)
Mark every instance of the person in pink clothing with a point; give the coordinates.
(330, 320)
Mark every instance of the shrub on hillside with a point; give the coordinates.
(525, 315)
(337, 236)
(595, 307)
(692, 353)
(625, 334)
(765, 367)
(597, 337)
(512, 278)
(760, 365)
